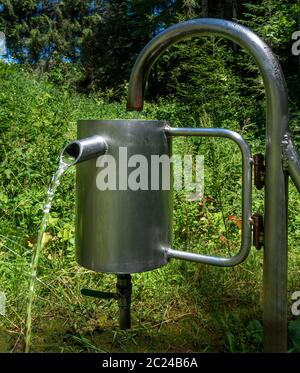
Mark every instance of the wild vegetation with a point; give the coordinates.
(211, 83)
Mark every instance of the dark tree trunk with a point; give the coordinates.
(204, 7)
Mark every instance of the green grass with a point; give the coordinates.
(181, 307)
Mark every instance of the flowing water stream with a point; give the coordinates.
(64, 164)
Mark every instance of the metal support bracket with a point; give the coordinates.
(258, 231)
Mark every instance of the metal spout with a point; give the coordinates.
(82, 150)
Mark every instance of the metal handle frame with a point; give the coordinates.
(246, 198)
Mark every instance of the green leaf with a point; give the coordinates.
(294, 329)
(254, 332)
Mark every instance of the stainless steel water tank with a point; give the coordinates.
(123, 231)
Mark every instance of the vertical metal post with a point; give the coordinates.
(124, 289)
(275, 258)
(275, 254)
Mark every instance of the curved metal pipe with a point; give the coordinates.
(275, 247)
